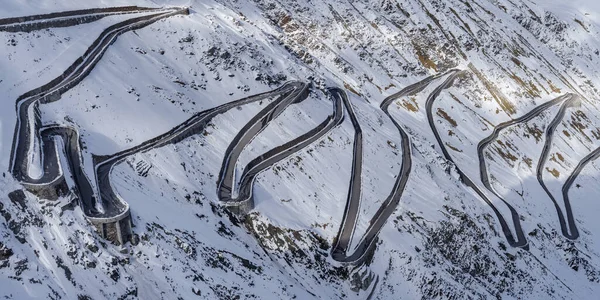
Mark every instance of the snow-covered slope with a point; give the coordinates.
(449, 236)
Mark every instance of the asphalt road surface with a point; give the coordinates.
(569, 182)
(340, 248)
(67, 18)
(268, 158)
(194, 125)
(520, 241)
(347, 228)
(30, 138)
(488, 140)
(569, 231)
(99, 201)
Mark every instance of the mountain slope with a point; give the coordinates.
(443, 238)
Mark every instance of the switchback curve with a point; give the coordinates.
(244, 201)
(496, 132)
(569, 231)
(520, 240)
(30, 138)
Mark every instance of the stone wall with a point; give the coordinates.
(118, 231)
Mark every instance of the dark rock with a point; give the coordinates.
(5, 253)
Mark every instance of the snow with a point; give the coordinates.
(152, 79)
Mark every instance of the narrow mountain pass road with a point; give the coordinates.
(31, 139)
(67, 18)
(344, 237)
(520, 240)
(226, 183)
(571, 179)
(569, 231)
(483, 144)
(244, 200)
(101, 203)
(103, 165)
(346, 233)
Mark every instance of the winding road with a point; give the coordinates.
(569, 231)
(345, 234)
(566, 100)
(67, 18)
(569, 182)
(31, 139)
(348, 225)
(97, 198)
(520, 240)
(244, 201)
(101, 204)
(103, 165)
(34, 141)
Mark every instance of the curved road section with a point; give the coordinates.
(101, 204)
(344, 237)
(105, 208)
(569, 182)
(340, 248)
(566, 100)
(30, 138)
(244, 201)
(66, 18)
(520, 240)
(225, 185)
(103, 165)
(569, 231)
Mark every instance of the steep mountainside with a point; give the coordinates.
(314, 149)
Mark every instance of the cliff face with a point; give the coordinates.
(463, 166)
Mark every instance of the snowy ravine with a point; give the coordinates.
(413, 194)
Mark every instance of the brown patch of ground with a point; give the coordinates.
(528, 161)
(577, 119)
(581, 24)
(502, 101)
(424, 58)
(530, 88)
(535, 131)
(507, 156)
(453, 148)
(550, 84)
(349, 87)
(389, 86)
(409, 104)
(443, 114)
(554, 172)
(596, 133)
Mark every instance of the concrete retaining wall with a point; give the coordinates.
(52, 191)
(118, 231)
(241, 208)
